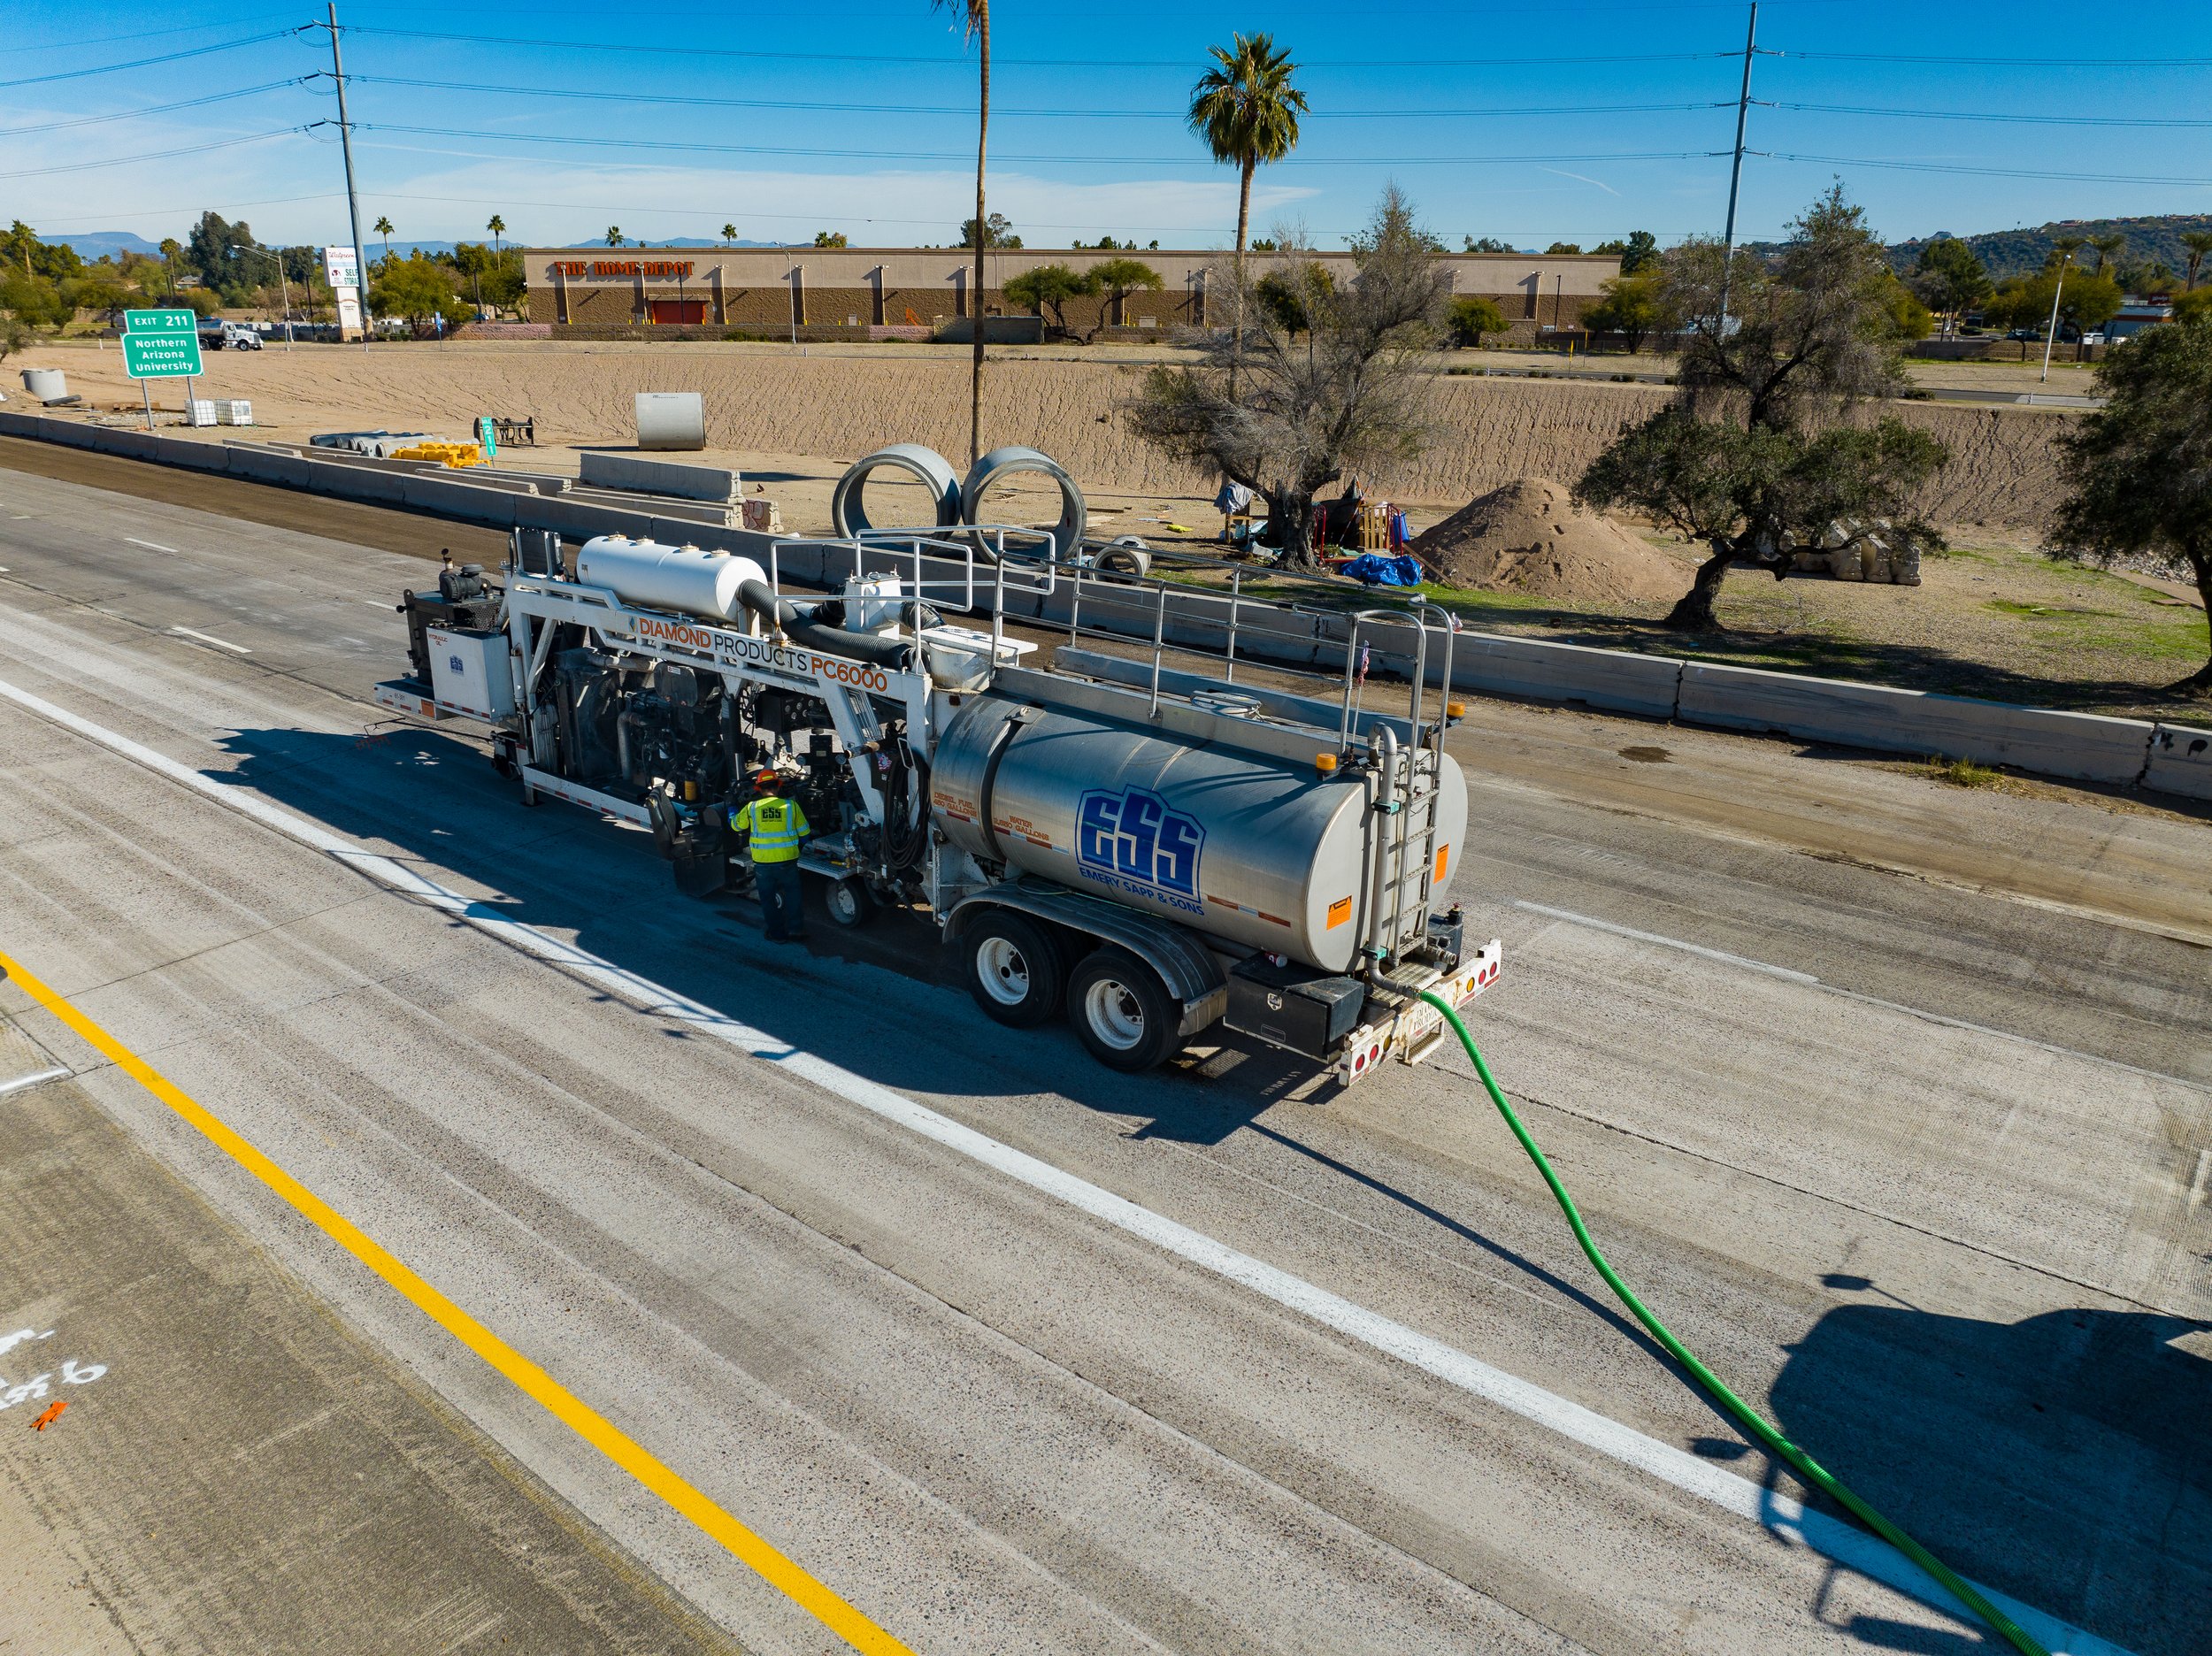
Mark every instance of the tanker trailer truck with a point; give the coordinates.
(1148, 853)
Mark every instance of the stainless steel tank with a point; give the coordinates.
(652, 576)
(1250, 848)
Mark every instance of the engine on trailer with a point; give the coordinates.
(465, 600)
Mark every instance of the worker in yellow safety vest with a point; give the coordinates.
(775, 827)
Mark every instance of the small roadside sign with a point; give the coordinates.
(160, 322)
(341, 267)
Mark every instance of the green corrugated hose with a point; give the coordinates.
(1748, 1417)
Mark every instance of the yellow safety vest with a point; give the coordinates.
(776, 826)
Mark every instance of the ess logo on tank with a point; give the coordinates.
(1135, 835)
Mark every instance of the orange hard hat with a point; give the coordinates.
(768, 778)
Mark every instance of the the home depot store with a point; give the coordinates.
(774, 288)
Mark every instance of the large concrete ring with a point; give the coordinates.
(1067, 535)
(925, 467)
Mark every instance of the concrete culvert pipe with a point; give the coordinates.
(999, 465)
(847, 508)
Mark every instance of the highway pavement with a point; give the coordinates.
(1895, 1101)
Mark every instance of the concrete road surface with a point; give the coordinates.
(1895, 1102)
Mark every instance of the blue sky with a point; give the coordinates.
(1591, 120)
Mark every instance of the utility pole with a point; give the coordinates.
(1735, 171)
(353, 198)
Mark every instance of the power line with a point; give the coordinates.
(1983, 172)
(141, 63)
(1976, 115)
(924, 155)
(968, 109)
(153, 109)
(2007, 62)
(1026, 63)
(139, 34)
(155, 155)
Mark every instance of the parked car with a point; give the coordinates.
(2025, 334)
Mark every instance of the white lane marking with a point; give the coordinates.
(1811, 982)
(37, 1077)
(378, 603)
(1572, 918)
(152, 546)
(1781, 1516)
(186, 632)
(2196, 1185)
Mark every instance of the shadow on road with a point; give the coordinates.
(2065, 1459)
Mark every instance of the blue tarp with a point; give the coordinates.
(1377, 571)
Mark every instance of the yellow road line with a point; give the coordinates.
(594, 1428)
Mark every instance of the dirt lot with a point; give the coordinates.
(766, 405)
(1995, 619)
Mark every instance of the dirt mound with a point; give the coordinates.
(1531, 537)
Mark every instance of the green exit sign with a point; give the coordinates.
(162, 355)
(160, 322)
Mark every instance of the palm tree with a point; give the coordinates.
(383, 228)
(614, 236)
(1247, 111)
(2199, 242)
(498, 227)
(975, 16)
(2107, 247)
(729, 233)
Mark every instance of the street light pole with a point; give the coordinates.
(1735, 171)
(2051, 333)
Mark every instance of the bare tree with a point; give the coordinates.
(1342, 391)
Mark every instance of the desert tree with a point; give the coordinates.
(1471, 316)
(496, 226)
(1118, 279)
(1634, 305)
(2107, 247)
(383, 228)
(1755, 458)
(1949, 279)
(974, 17)
(1247, 111)
(614, 236)
(2140, 469)
(1053, 285)
(729, 233)
(1346, 393)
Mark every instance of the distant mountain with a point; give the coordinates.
(673, 242)
(2022, 252)
(98, 243)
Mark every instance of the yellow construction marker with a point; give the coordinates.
(594, 1428)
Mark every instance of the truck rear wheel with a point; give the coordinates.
(1122, 1012)
(1014, 970)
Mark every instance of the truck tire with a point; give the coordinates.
(1122, 1012)
(849, 903)
(1015, 971)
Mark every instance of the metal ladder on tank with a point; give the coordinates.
(1423, 761)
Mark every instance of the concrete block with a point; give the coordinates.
(606, 468)
(2181, 761)
(464, 501)
(2085, 746)
(576, 521)
(14, 424)
(133, 445)
(355, 482)
(197, 456)
(262, 466)
(1620, 680)
(72, 434)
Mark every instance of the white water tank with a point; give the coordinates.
(649, 575)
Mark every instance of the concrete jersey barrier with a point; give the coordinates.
(2087, 746)
(602, 469)
(2173, 758)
